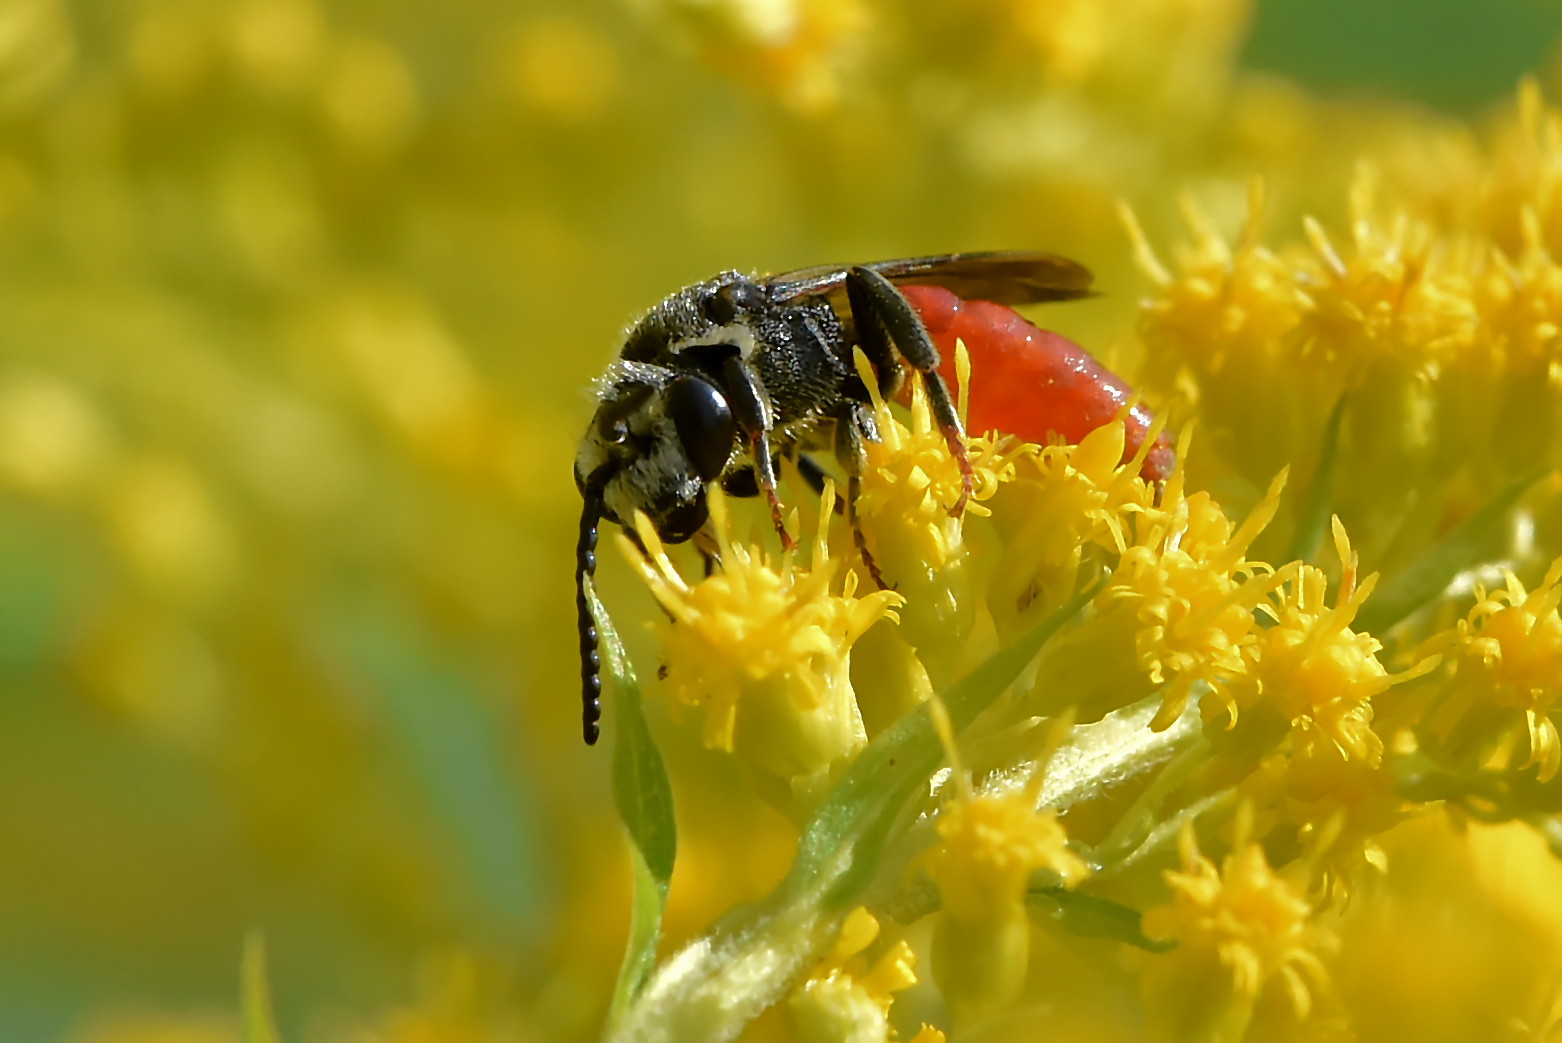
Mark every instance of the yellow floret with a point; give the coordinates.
(1177, 610)
(910, 484)
(1237, 928)
(1065, 498)
(845, 999)
(988, 847)
(1392, 298)
(1311, 667)
(1507, 656)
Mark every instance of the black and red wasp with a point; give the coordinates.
(716, 380)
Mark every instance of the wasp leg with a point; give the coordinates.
(815, 476)
(881, 313)
(854, 424)
(874, 340)
(751, 410)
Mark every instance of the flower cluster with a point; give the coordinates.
(772, 639)
(1314, 735)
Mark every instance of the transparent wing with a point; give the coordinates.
(1002, 276)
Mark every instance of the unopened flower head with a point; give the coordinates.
(763, 649)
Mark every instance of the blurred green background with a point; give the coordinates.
(297, 303)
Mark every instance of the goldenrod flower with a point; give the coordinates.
(1237, 928)
(845, 999)
(1310, 667)
(798, 50)
(1524, 183)
(763, 650)
(910, 484)
(1263, 342)
(1064, 499)
(1216, 331)
(1177, 609)
(1226, 311)
(1393, 299)
(988, 847)
(1337, 805)
(1506, 657)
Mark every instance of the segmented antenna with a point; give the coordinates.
(590, 663)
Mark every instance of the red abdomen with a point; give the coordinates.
(1028, 382)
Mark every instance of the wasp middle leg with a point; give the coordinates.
(883, 315)
(853, 427)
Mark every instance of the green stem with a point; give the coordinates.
(712, 988)
(1164, 835)
(1094, 758)
(1137, 822)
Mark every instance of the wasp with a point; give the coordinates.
(722, 376)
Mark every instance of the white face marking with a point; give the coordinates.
(733, 333)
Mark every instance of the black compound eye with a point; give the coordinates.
(704, 423)
(684, 521)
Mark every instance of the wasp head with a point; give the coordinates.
(657, 438)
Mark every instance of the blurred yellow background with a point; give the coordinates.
(299, 301)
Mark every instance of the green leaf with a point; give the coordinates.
(1457, 551)
(1312, 516)
(1091, 917)
(640, 786)
(260, 1024)
(647, 898)
(644, 797)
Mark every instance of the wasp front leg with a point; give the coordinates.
(751, 409)
(883, 316)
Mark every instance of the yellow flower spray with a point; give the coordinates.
(295, 314)
(763, 651)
